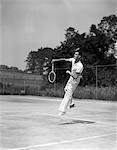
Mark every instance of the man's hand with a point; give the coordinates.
(53, 60)
(68, 72)
(71, 74)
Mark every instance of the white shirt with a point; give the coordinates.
(76, 67)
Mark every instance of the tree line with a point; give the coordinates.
(12, 68)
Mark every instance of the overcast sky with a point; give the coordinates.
(27, 25)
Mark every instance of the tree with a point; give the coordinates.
(4, 67)
(70, 32)
(31, 61)
(97, 46)
(12, 68)
(15, 69)
(108, 26)
(35, 59)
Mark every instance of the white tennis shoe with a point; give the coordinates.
(61, 113)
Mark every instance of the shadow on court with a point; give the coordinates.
(77, 122)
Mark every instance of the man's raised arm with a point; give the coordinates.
(60, 59)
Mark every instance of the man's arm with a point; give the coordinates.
(75, 76)
(60, 59)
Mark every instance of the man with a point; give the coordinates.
(75, 76)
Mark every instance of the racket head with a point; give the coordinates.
(52, 77)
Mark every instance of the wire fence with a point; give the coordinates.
(19, 83)
(105, 76)
(98, 82)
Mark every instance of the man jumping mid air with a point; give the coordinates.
(75, 76)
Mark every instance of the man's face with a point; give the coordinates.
(46, 59)
(76, 55)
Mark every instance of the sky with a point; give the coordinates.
(26, 25)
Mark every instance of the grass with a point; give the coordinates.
(57, 90)
(88, 92)
(101, 93)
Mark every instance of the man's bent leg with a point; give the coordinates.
(64, 104)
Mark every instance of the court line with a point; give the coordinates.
(62, 142)
(53, 99)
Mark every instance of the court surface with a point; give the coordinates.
(31, 123)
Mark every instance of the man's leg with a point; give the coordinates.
(72, 103)
(66, 100)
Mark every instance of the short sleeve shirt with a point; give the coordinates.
(76, 67)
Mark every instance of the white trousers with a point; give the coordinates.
(69, 90)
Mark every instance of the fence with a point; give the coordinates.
(105, 80)
(98, 82)
(19, 83)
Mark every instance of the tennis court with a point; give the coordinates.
(31, 123)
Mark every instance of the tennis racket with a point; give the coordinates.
(52, 75)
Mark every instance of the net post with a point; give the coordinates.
(96, 81)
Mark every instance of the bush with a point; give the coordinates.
(57, 90)
(102, 93)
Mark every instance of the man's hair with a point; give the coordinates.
(77, 50)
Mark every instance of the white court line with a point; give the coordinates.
(62, 142)
(53, 99)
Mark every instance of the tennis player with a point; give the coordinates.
(75, 76)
